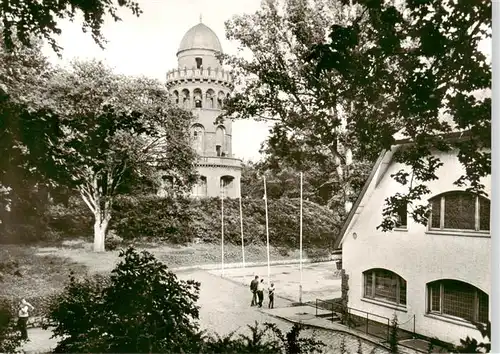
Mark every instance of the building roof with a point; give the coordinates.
(200, 37)
(400, 140)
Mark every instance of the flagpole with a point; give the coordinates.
(300, 239)
(267, 236)
(241, 227)
(222, 231)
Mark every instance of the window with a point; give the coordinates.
(460, 211)
(226, 184)
(220, 139)
(456, 299)
(197, 98)
(402, 217)
(198, 138)
(384, 285)
(199, 62)
(202, 187)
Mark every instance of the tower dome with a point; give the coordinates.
(200, 37)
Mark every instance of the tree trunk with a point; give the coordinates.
(100, 227)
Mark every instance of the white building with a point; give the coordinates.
(438, 273)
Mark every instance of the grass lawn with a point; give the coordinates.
(45, 268)
(40, 274)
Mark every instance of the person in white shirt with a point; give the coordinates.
(271, 296)
(260, 292)
(23, 314)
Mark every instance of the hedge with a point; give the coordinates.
(182, 220)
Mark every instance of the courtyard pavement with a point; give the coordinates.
(224, 308)
(319, 280)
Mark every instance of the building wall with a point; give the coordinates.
(186, 58)
(417, 255)
(213, 177)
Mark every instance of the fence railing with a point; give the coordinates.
(367, 322)
(332, 306)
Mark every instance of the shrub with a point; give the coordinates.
(469, 345)
(73, 220)
(152, 217)
(132, 312)
(184, 220)
(263, 339)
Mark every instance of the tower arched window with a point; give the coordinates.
(220, 99)
(226, 184)
(197, 98)
(201, 187)
(186, 101)
(176, 97)
(220, 136)
(198, 137)
(210, 95)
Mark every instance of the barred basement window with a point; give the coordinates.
(456, 299)
(384, 285)
(460, 211)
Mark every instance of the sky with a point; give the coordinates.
(147, 45)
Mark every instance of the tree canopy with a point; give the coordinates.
(334, 75)
(113, 124)
(21, 21)
(89, 130)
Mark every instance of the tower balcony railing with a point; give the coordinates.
(219, 161)
(176, 75)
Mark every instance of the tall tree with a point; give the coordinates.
(413, 69)
(21, 21)
(113, 124)
(26, 134)
(274, 85)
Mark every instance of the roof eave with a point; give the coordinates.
(338, 241)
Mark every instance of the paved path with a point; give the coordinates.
(225, 307)
(319, 280)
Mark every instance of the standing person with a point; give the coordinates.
(260, 292)
(253, 288)
(271, 296)
(23, 313)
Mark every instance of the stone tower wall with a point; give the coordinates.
(219, 171)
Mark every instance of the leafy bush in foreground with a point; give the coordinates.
(10, 338)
